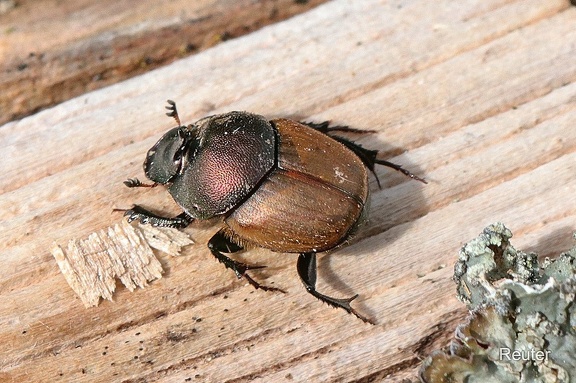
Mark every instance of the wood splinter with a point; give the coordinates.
(123, 251)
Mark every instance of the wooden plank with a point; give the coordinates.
(478, 96)
(52, 50)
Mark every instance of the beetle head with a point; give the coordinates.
(167, 157)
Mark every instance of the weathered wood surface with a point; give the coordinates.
(477, 96)
(51, 50)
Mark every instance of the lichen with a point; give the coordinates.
(522, 325)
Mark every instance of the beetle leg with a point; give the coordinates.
(367, 156)
(400, 169)
(324, 128)
(306, 267)
(219, 244)
(147, 217)
(369, 159)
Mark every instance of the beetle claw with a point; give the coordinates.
(254, 267)
(257, 285)
(345, 304)
(400, 169)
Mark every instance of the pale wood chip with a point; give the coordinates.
(92, 265)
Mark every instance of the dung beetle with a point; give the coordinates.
(287, 186)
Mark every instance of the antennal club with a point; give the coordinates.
(173, 112)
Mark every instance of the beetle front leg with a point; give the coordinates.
(147, 217)
(307, 271)
(219, 244)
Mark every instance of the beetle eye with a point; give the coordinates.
(164, 159)
(183, 137)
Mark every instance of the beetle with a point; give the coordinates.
(283, 185)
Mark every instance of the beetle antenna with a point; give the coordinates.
(173, 112)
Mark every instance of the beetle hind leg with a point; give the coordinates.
(400, 169)
(306, 267)
(369, 158)
(325, 128)
(220, 244)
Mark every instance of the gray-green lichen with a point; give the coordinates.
(522, 326)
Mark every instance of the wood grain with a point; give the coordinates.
(479, 97)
